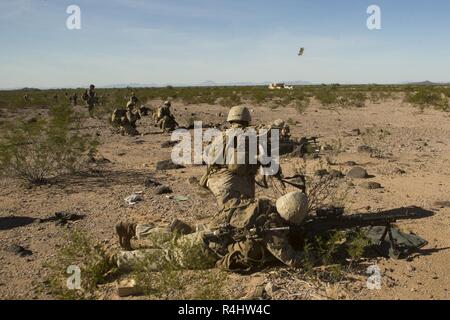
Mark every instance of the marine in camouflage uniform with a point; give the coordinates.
(90, 97)
(286, 145)
(283, 127)
(144, 111)
(157, 245)
(74, 99)
(164, 118)
(134, 99)
(274, 243)
(229, 182)
(126, 120)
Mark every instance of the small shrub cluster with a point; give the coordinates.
(93, 262)
(184, 273)
(429, 97)
(37, 150)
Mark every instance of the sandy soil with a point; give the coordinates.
(417, 143)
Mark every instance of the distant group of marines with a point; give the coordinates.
(126, 118)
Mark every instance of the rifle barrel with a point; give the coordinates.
(323, 223)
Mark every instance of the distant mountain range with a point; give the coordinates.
(208, 83)
(426, 83)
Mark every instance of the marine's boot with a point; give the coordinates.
(126, 231)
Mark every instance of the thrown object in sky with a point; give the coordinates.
(301, 51)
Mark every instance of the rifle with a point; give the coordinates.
(309, 145)
(330, 219)
(305, 146)
(333, 218)
(298, 181)
(227, 233)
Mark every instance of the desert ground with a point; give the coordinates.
(411, 163)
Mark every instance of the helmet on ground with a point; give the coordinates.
(239, 113)
(293, 207)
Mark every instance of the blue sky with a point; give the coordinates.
(190, 41)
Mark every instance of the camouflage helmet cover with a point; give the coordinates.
(239, 113)
(278, 123)
(293, 207)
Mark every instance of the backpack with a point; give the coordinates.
(117, 115)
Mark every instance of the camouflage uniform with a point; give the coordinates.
(91, 99)
(74, 99)
(164, 118)
(230, 182)
(285, 130)
(286, 145)
(158, 244)
(126, 119)
(134, 99)
(251, 254)
(144, 111)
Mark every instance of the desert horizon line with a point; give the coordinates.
(211, 83)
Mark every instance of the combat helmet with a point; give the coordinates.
(293, 207)
(279, 123)
(168, 103)
(239, 113)
(92, 86)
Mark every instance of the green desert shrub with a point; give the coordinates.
(93, 262)
(327, 96)
(38, 149)
(428, 97)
